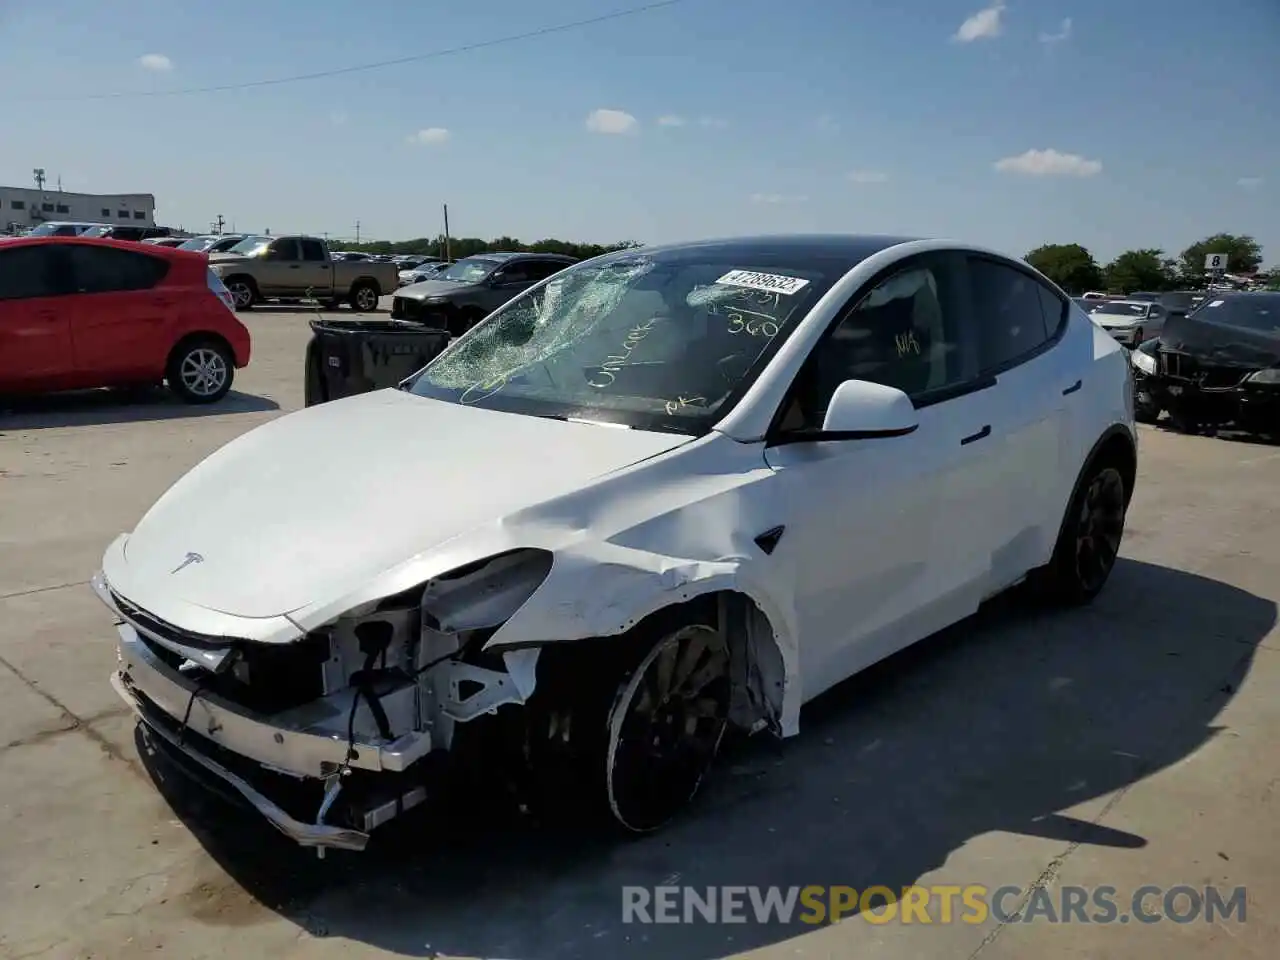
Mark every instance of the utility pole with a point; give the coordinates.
(218, 225)
(38, 173)
(357, 233)
(446, 231)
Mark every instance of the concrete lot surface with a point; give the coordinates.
(1130, 743)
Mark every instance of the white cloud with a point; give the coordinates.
(1249, 183)
(672, 120)
(867, 176)
(1049, 163)
(778, 198)
(983, 25)
(612, 121)
(430, 135)
(156, 62)
(714, 123)
(1064, 33)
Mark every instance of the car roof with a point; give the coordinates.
(847, 250)
(518, 254)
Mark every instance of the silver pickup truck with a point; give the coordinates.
(296, 268)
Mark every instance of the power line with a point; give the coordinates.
(359, 68)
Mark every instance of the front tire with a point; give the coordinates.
(1145, 410)
(244, 292)
(200, 371)
(1089, 541)
(364, 297)
(665, 728)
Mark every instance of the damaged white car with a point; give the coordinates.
(667, 491)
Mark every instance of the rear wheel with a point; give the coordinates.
(1090, 539)
(200, 371)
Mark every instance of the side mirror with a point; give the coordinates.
(860, 409)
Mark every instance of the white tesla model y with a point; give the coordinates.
(666, 491)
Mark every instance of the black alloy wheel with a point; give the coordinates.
(1099, 528)
(666, 727)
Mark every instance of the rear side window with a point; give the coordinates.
(1054, 309)
(28, 272)
(1008, 316)
(107, 270)
(313, 250)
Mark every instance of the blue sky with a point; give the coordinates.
(1163, 117)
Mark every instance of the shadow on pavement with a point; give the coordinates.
(93, 407)
(993, 725)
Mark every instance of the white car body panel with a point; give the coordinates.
(887, 540)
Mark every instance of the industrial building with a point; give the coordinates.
(22, 208)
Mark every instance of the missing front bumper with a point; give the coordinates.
(317, 835)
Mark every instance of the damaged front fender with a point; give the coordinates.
(599, 589)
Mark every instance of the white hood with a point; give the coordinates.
(312, 505)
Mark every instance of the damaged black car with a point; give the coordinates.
(1218, 366)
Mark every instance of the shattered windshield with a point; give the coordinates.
(661, 341)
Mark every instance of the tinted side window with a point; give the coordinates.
(1007, 316)
(27, 272)
(904, 333)
(541, 269)
(1054, 309)
(286, 249)
(516, 273)
(313, 250)
(107, 270)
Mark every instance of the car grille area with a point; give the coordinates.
(266, 678)
(1181, 366)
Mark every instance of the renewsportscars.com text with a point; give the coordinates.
(939, 904)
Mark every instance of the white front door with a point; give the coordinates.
(886, 537)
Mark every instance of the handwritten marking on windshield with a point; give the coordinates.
(483, 389)
(753, 325)
(675, 406)
(616, 361)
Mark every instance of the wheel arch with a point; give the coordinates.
(365, 280)
(763, 655)
(199, 336)
(1117, 446)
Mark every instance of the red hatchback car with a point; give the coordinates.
(80, 313)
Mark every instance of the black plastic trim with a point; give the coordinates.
(1073, 388)
(974, 437)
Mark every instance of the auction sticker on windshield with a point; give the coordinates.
(771, 282)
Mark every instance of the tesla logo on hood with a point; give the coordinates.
(189, 559)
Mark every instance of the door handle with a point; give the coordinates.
(1073, 388)
(984, 432)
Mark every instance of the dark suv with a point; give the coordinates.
(460, 297)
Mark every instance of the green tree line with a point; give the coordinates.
(459, 247)
(1074, 268)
